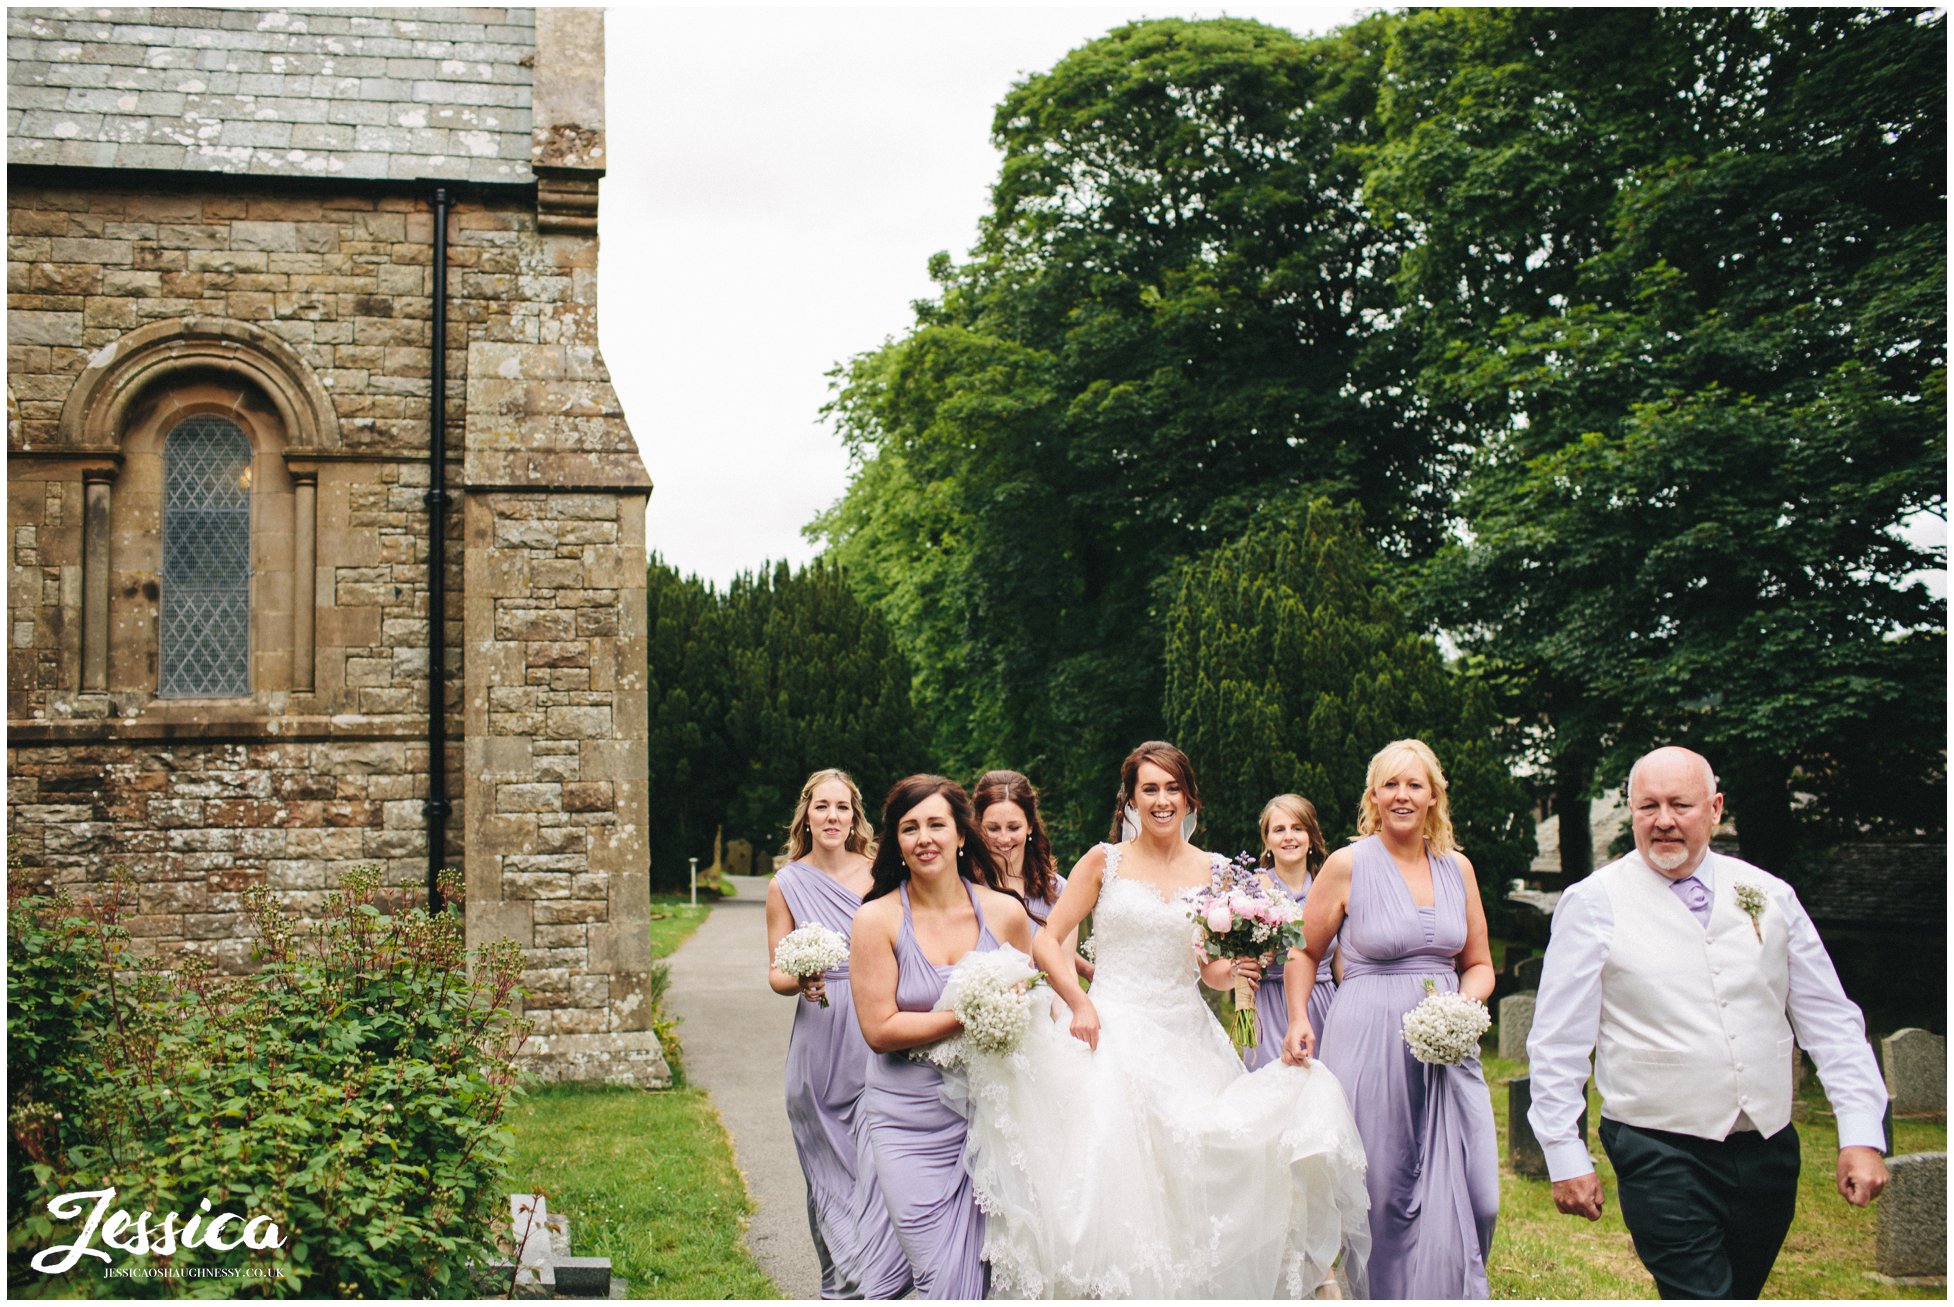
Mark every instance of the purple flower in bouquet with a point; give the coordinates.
(1237, 915)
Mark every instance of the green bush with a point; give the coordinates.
(351, 1089)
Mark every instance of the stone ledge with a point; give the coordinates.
(630, 1057)
(116, 730)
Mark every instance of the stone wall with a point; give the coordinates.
(324, 765)
(343, 281)
(198, 823)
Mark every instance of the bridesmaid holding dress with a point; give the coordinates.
(1407, 904)
(1007, 814)
(925, 911)
(1292, 854)
(827, 1061)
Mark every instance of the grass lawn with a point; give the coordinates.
(1538, 1253)
(673, 921)
(645, 1179)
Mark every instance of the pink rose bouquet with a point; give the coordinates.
(1236, 915)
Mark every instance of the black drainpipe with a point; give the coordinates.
(436, 499)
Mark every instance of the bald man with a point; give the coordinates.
(1689, 974)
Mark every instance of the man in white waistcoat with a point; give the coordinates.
(1689, 974)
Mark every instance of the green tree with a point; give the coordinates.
(1155, 335)
(1289, 664)
(750, 690)
(818, 682)
(689, 687)
(1676, 279)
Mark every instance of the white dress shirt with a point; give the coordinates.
(1567, 1020)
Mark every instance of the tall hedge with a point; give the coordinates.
(1289, 664)
(783, 673)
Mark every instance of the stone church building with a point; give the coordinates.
(307, 432)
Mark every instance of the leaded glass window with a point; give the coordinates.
(206, 635)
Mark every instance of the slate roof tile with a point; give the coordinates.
(401, 93)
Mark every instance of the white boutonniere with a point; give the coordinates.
(1751, 899)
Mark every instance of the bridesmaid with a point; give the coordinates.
(1293, 853)
(828, 842)
(925, 911)
(1007, 813)
(1408, 907)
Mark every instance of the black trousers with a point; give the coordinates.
(1708, 1216)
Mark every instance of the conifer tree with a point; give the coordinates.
(687, 686)
(750, 690)
(1289, 664)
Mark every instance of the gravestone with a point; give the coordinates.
(1526, 972)
(739, 857)
(1916, 1070)
(1515, 1024)
(1912, 1242)
(1522, 1149)
(535, 1264)
(543, 1266)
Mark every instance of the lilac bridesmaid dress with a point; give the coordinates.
(917, 1140)
(1428, 1131)
(1271, 1007)
(1040, 908)
(827, 1066)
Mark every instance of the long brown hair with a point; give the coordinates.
(1040, 869)
(1164, 756)
(974, 861)
(1303, 811)
(800, 834)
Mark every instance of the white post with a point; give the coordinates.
(695, 882)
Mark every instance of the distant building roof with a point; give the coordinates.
(345, 93)
(1889, 886)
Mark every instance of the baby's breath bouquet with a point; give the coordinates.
(1235, 916)
(811, 950)
(990, 992)
(1445, 1028)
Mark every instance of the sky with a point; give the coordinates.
(777, 181)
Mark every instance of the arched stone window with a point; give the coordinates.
(204, 645)
(199, 544)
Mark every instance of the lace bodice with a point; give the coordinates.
(1144, 943)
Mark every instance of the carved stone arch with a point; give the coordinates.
(121, 372)
(121, 409)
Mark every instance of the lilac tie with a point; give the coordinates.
(1695, 896)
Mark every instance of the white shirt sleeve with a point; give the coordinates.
(1566, 1023)
(1831, 1028)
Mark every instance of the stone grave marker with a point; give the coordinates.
(1522, 1149)
(1526, 973)
(1912, 1241)
(1915, 1061)
(1515, 1024)
(529, 1225)
(543, 1266)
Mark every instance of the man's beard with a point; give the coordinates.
(1668, 861)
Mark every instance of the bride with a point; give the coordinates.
(1121, 1151)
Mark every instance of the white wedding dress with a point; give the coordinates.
(1156, 1167)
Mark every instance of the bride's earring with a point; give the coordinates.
(1129, 823)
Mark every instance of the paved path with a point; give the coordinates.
(735, 1035)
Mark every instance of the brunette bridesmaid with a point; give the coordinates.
(930, 904)
(828, 842)
(1293, 853)
(1007, 813)
(1408, 907)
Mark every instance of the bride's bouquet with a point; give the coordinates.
(1237, 916)
(1445, 1028)
(990, 991)
(811, 950)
